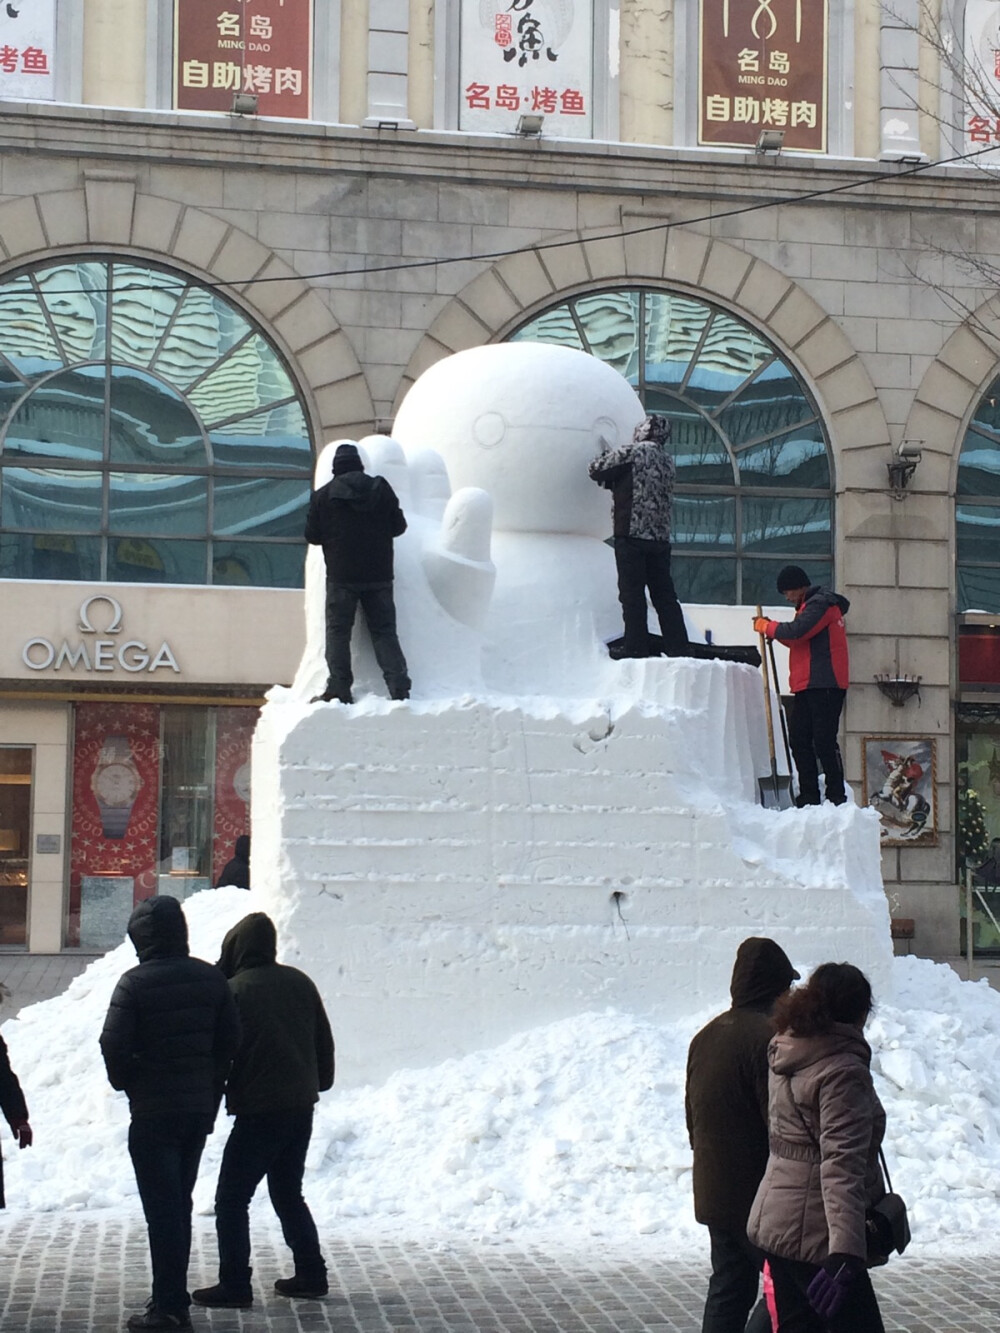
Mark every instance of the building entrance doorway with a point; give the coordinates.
(15, 843)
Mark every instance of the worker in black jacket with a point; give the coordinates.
(169, 1038)
(284, 1062)
(355, 517)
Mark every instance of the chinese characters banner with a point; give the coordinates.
(27, 49)
(982, 75)
(763, 66)
(527, 57)
(222, 47)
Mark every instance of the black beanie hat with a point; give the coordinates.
(792, 576)
(655, 427)
(347, 459)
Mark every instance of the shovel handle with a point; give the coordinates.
(772, 755)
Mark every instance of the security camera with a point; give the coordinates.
(912, 452)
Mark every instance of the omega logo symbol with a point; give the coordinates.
(101, 653)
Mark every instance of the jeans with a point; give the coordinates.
(165, 1152)
(858, 1314)
(646, 564)
(379, 611)
(732, 1288)
(273, 1145)
(813, 722)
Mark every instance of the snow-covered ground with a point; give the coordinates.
(568, 1132)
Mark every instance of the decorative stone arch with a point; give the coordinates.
(949, 393)
(519, 286)
(111, 213)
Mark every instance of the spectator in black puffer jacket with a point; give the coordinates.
(168, 1041)
(640, 476)
(355, 517)
(284, 1062)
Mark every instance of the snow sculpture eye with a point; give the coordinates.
(604, 428)
(489, 429)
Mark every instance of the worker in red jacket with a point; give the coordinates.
(818, 676)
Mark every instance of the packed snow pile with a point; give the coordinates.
(570, 1130)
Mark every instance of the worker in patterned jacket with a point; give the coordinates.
(818, 675)
(640, 477)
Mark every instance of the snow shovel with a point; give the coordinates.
(780, 707)
(775, 790)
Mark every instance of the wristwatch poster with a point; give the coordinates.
(115, 782)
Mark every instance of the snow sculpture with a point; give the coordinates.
(539, 831)
(523, 420)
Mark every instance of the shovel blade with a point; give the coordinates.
(776, 791)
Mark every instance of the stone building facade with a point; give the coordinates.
(370, 240)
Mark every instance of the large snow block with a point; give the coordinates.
(453, 872)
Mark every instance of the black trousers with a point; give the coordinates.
(379, 611)
(272, 1145)
(646, 564)
(733, 1286)
(165, 1152)
(813, 723)
(858, 1314)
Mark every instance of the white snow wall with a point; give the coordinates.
(447, 871)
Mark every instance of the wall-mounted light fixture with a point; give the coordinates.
(529, 126)
(902, 468)
(245, 104)
(896, 688)
(770, 141)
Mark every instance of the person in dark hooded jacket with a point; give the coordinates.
(13, 1106)
(236, 871)
(818, 676)
(726, 1107)
(355, 517)
(169, 1038)
(285, 1060)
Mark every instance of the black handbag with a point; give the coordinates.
(887, 1228)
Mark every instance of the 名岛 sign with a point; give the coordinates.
(982, 75)
(27, 49)
(763, 65)
(531, 57)
(263, 47)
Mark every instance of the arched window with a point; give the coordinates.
(977, 508)
(754, 486)
(149, 432)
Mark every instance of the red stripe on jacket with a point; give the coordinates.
(817, 642)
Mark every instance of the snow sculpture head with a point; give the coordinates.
(523, 420)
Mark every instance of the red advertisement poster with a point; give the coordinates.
(763, 67)
(264, 47)
(116, 798)
(233, 733)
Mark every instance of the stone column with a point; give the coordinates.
(388, 64)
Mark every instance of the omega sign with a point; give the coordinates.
(98, 654)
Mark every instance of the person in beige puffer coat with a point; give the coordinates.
(825, 1125)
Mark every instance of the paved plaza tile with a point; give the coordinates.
(83, 1273)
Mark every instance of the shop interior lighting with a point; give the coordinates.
(529, 125)
(770, 141)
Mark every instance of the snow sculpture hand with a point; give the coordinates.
(443, 584)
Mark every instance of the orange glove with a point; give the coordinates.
(761, 624)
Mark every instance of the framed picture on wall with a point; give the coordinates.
(900, 782)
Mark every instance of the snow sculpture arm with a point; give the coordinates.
(442, 563)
